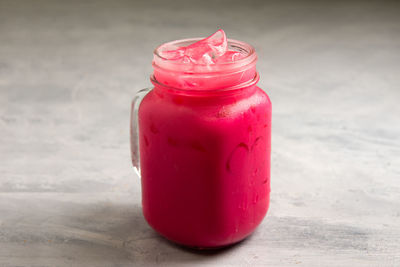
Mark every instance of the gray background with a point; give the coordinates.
(69, 69)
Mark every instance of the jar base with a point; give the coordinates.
(205, 249)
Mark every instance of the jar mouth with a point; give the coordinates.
(248, 52)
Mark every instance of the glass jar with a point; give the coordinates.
(204, 139)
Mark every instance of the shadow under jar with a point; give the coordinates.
(203, 134)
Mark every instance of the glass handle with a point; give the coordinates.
(134, 128)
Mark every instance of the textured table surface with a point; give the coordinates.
(68, 70)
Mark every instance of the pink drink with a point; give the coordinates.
(204, 135)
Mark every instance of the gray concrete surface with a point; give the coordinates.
(68, 70)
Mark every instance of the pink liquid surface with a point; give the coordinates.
(205, 161)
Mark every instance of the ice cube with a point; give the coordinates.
(173, 54)
(206, 51)
(229, 56)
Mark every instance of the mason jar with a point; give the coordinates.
(201, 143)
